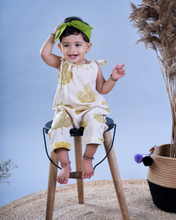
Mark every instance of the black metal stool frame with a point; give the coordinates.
(79, 132)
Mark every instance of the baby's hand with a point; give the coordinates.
(118, 72)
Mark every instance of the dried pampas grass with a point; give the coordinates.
(156, 24)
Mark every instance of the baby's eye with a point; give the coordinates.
(78, 45)
(66, 45)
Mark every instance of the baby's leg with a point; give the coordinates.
(87, 170)
(94, 127)
(63, 157)
(60, 142)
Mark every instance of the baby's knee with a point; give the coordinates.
(62, 119)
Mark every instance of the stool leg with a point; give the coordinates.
(78, 159)
(51, 186)
(116, 175)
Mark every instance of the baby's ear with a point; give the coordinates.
(89, 45)
(59, 45)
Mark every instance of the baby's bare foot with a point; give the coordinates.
(87, 170)
(63, 176)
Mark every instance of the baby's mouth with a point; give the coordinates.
(73, 56)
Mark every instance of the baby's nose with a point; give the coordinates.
(72, 48)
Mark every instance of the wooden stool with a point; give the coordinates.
(77, 134)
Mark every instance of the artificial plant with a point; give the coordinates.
(156, 24)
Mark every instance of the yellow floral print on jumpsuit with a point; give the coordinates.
(77, 103)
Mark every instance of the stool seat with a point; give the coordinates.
(79, 132)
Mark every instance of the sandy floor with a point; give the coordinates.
(100, 203)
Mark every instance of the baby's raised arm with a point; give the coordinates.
(46, 52)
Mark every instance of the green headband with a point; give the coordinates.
(86, 29)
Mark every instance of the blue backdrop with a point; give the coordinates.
(139, 102)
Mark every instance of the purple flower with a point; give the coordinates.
(138, 158)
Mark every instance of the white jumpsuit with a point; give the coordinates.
(77, 103)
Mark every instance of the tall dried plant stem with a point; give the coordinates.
(171, 97)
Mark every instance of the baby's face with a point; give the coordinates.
(74, 48)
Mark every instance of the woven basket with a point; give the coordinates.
(162, 179)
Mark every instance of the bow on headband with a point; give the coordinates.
(86, 29)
